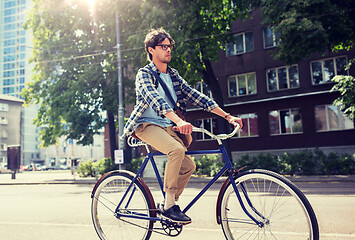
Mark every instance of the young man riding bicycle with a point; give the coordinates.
(153, 117)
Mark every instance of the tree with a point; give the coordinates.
(309, 26)
(75, 74)
(200, 28)
(314, 26)
(346, 86)
(74, 80)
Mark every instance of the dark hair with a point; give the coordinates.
(155, 37)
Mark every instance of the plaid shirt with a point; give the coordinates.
(147, 95)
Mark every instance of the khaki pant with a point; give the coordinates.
(179, 167)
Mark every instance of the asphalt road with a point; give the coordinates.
(62, 211)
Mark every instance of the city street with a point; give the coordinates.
(62, 211)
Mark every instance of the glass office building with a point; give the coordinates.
(15, 71)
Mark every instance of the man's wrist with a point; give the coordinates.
(227, 116)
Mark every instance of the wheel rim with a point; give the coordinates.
(286, 217)
(105, 200)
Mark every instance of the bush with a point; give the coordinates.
(98, 168)
(135, 164)
(308, 162)
(268, 161)
(103, 166)
(85, 169)
(208, 165)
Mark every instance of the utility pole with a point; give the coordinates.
(119, 85)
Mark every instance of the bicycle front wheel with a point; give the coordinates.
(106, 197)
(282, 208)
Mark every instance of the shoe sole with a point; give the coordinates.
(175, 221)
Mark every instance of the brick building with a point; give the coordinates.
(284, 108)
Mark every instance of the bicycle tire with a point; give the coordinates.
(105, 198)
(288, 214)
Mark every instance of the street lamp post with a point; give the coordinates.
(119, 85)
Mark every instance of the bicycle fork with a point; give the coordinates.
(247, 200)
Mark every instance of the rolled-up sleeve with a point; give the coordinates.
(148, 91)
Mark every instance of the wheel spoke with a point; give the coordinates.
(107, 196)
(278, 204)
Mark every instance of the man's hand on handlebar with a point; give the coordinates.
(235, 120)
(183, 127)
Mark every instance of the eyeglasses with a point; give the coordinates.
(166, 46)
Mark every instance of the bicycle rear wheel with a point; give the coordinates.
(279, 204)
(106, 198)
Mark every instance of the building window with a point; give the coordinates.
(210, 124)
(271, 39)
(7, 90)
(324, 70)
(9, 73)
(282, 78)
(243, 84)
(202, 87)
(330, 117)
(8, 82)
(4, 133)
(4, 107)
(250, 125)
(10, 4)
(285, 121)
(3, 147)
(4, 120)
(244, 43)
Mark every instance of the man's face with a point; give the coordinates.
(160, 55)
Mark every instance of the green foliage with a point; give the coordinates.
(74, 68)
(346, 86)
(208, 165)
(309, 26)
(98, 168)
(134, 165)
(103, 166)
(85, 169)
(308, 162)
(200, 28)
(75, 73)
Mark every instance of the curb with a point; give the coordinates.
(194, 179)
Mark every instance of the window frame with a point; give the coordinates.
(278, 80)
(329, 129)
(244, 44)
(204, 138)
(237, 84)
(274, 39)
(201, 88)
(238, 135)
(291, 122)
(322, 66)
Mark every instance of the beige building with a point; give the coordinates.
(10, 124)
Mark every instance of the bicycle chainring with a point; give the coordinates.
(172, 228)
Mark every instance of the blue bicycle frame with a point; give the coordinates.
(228, 167)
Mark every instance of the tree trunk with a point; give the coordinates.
(210, 79)
(112, 134)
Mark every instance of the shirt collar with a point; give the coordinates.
(154, 68)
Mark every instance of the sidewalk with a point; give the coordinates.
(65, 177)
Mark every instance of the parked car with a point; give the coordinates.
(52, 167)
(64, 167)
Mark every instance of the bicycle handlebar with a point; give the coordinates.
(222, 136)
(135, 143)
